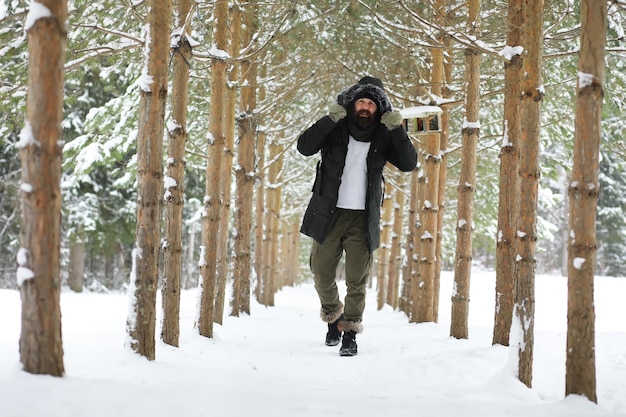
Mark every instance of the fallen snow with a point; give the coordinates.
(274, 362)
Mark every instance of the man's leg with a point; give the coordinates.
(324, 260)
(358, 263)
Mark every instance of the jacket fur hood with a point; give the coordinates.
(367, 87)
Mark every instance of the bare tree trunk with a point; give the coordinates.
(259, 232)
(467, 187)
(439, 79)
(272, 216)
(417, 286)
(580, 364)
(38, 273)
(406, 300)
(428, 215)
(76, 279)
(191, 260)
(211, 233)
(153, 94)
(229, 129)
(529, 171)
(395, 261)
(245, 176)
(385, 242)
(175, 186)
(509, 154)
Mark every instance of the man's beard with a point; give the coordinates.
(364, 119)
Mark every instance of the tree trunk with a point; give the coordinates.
(406, 301)
(274, 190)
(38, 273)
(443, 170)
(432, 163)
(467, 184)
(175, 186)
(395, 261)
(580, 364)
(211, 233)
(529, 170)
(76, 277)
(385, 243)
(153, 94)
(229, 129)
(244, 177)
(417, 286)
(259, 232)
(509, 154)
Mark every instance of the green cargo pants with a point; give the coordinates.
(347, 234)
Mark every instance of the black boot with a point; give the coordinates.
(333, 336)
(348, 344)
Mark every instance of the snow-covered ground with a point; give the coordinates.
(274, 362)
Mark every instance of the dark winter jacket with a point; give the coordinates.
(331, 139)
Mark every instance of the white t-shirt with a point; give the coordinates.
(353, 187)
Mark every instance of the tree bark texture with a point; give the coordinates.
(583, 193)
(432, 163)
(244, 181)
(529, 172)
(406, 300)
(40, 148)
(211, 233)
(259, 221)
(507, 205)
(395, 261)
(441, 77)
(467, 185)
(153, 94)
(382, 260)
(175, 189)
(76, 278)
(271, 242)
(229, 150)
(417, 286)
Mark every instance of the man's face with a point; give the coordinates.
(365, 112)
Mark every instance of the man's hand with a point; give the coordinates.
(391, 119)
(336, 112)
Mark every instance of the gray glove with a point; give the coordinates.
(391, 119)
(336, 112)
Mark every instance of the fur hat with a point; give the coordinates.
(367, 87)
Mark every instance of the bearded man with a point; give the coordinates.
(360, 134)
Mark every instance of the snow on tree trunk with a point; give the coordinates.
(529, 171)
(259, 220)
(443, 173)
(40, 149)
(509, 153)
(428, 237)
(244, 178)
(467, 184)
(406, 300)
(141, 321)
(395, 258)
(215, 177)
(417, 287)
(175, 180)
(229, 131)
(382, 260)
(583, 192)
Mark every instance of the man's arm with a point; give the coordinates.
(314, 138)
(401, 153)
